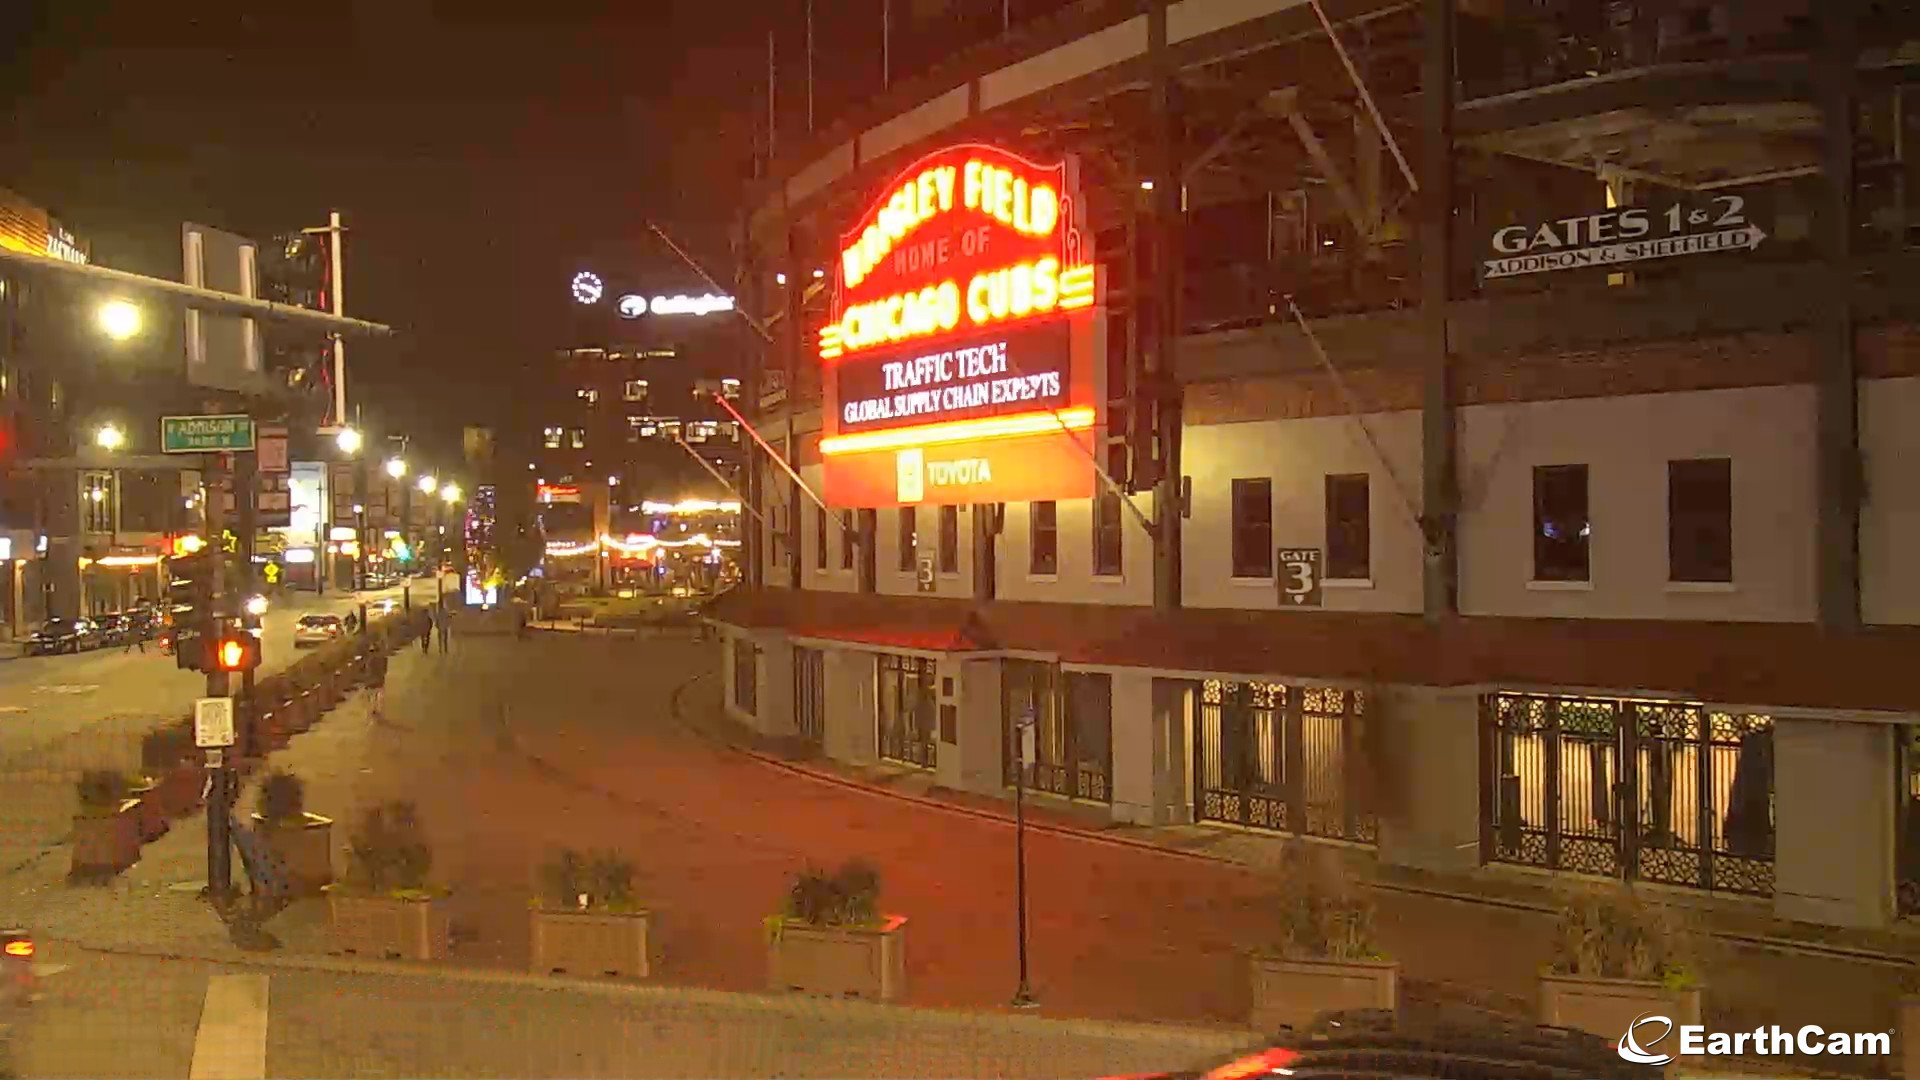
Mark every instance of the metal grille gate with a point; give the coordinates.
(1282, 757)
(1660, 791)
(908, 710)
(1073, 737)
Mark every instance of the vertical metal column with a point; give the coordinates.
(1163, 381)
(793, 340)
(1438, 472)
(1836, 392)
(753, 535)
(217, 481)
(246, 486)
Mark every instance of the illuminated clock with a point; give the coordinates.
(587, 287)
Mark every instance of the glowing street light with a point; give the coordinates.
(110, 437)
(396, 468)
(451, 493)
(427, 484)
(348, 440)
(256, 606)
(118, 319)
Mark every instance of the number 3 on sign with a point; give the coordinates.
(1299, 577)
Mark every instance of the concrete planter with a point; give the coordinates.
(150, 815)
(1290, 993)
(868, 962)
(387, 927)
(305, 845)
(1606, 1006)
(590, 942)
(1910, 1037)
(105, 844)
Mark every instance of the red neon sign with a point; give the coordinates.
(960, 355)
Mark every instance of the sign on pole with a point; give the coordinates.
(271, 455)
(230, 433)
(213, 722)
(1299, 577)
(1624, 235)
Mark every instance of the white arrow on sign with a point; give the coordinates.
(1744, 238)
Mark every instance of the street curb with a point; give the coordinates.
(1756, 941)
(791, 1004)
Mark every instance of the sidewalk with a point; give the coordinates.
(512, 749)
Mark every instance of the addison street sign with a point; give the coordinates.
(1625, 235)
(206, 434)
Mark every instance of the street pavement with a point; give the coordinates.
(514, 748)
(61, 715)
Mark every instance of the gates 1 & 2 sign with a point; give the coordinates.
(961, 364)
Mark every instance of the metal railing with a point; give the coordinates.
(1284, 758)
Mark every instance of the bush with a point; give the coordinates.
(102, 791)
(283, 797)
(604, 878)
(1323, 915)
(850, 897)
(163, 748)
(389, 853)
(1608, 933)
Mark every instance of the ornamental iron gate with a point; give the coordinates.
(1663, 791)
(1907, 824)
(909, 709)
(1073, 732)
(1279, 757)
(810, 694)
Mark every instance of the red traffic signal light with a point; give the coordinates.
(236, 652)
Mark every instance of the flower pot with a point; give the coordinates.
(388, 927)
(1606, 1006)
(305, 845)
(867, 962)
(590, 942)
(1290, 993)
(106, 843)
(150, 815)
(180, 789)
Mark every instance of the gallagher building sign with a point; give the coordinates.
(959, 365)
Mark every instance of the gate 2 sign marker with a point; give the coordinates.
(963, 362)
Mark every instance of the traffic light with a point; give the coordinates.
(190, 607)
(234, 650)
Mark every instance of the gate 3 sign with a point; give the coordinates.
(1626, 235)
(962, 363)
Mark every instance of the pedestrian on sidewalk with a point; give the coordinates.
(135, 637)
(426, 632)
(445, 631)
(377, 677)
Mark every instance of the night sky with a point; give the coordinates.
(482, 152)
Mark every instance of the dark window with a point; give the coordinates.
(1043, 548)
(1253, 528)
(1106, 534)
(1560, 525)
(908, 541)
(1700, 520)
(908, 709)
(846, 539)
(819, 538)
(1349, 528)
(949, 539)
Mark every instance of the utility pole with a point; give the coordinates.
(1439, 480)
(1163, 374)
(335, 232)
(246, 486)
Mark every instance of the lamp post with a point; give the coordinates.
(110, 437)
(119, 319)
(349, 441)
(449, 498)
(1023, 996)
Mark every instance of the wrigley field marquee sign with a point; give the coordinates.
(1623, 236)
(960, 361)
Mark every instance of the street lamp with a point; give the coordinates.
(427, 484)
(118, 319)
(110, 437)
(451, 493)
(348, 440)
(396, 468)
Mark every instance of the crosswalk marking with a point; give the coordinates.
(232, 1041)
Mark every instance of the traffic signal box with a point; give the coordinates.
(190, 606)
(234, 649)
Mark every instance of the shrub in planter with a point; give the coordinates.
(106, 836)
(386, 905)
(303, 841)
(1617, 957)
(1325, 957)
(830, 938)
(585, 919)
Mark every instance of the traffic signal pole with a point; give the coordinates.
(219, 771)
(246, 487)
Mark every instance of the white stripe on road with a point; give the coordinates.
(232, 1043)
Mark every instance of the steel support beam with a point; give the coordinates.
(1836, 391)
(791, 343)
(1163, 382)
(1439, 479)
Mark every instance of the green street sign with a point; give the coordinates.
(205, 434)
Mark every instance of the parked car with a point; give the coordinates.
(113, 628)
(62, 635)
(314, 630)
(16, 966)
